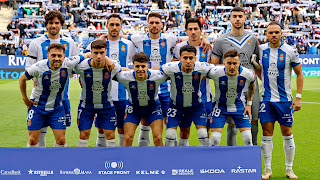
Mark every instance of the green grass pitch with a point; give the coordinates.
(13, 128)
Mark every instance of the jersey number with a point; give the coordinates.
(263, 105)
(79, 113)
(172, 112)
(30, 115)
(216, 112)
(129, 109)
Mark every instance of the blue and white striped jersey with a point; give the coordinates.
(276, 71)
(50, 83)
(229, 90)
(185, 87)
(201, 57)
(38, 50)
(96, 85)
(121, 52)
(158, 51)
(142, 93)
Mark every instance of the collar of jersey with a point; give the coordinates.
(278, 47)
(46, 35)
(149, 73)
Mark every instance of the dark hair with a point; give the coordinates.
(238, 9)
(193, 20)
(274, 23)
(51, 15)
(188, 48)
(154, 14)
(231, 53)
(114, 16)
(56, 46)
(140, 57)
(98, 44)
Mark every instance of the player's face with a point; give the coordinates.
(187, 60)
(194, 31)
(56, 58)
(154, 25)
(274, 34)
(54, 26)
(141, 69)
(114, 27)
(98, 55)
(237, 19)
(232, 65)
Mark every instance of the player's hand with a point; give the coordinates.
(29, 103)
(247, 110)
(125, 69)
(103, 37)
(109, 64)
(296, 104)
(207, 45)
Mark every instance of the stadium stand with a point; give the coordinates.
(85, 19)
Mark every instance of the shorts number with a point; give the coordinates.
(216, 112)
(129, 109)
(171, 112)
(263, 105)
(79, 113)
(30, 115)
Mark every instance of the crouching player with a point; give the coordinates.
(142, 85)
(45, 103)
(186, 102)
(95, 96)
(230, 82)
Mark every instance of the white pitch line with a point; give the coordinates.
(311, 102)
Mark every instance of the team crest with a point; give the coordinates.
(203, 54)
(29, 122)
(106, 75)
(241, 83)
(249, 43)
(151, 87)
(211, 120)
(123, 48)
(162, 44)
(125, 116)
(196, 77)
(281, 58)
(63, 73)
(65, 46)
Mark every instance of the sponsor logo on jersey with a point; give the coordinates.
(231, 93)
(249, 43)
(187, 88)
(63, 73)
(143, 96)
(241, 170)
(97, 86)
(155, 56)
(162, 43)
(182, 172)
(281, 58)
(272, 70)
(241, 83)
(76, 171)
(10, 172)
(40, 172)
(265, 55)
(123, 48)
(55, 85)
(88, 75)
(223, 83)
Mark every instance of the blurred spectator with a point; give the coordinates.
(24, 50)
(3, 48)
(313, 48)
(11, 50)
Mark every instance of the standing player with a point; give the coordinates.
(38, 50)
(247, 45)
(194, 29)
(120, 50)
(186, 104)
(95, 97)
(230, 81)
(277, 61)
(142, 84)
(45, 104)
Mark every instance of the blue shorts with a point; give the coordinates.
(219, 118)
(183, 116)
(107, 118)
(36, 118)
(150, 113)
(67, 110)
(276, 111)
(164, 100)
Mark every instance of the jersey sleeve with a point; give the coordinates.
(176, 52)
(135, 39)
(88, 49)
(32, 55)
(216, 50)
(74, 49)
(214, 71)
(32, 71)
(257, 50)
(72, 62)
(294, 58)
(172, 40)
(251, 76)
(131, 50)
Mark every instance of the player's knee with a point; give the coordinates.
(184, 133)
(157, 138)
(32, 141)
(84, 135)
(287, 132)
(202, 133)
(110, 135)
(61, 140)
(267, 132)
(171, 133)
(128, 137)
